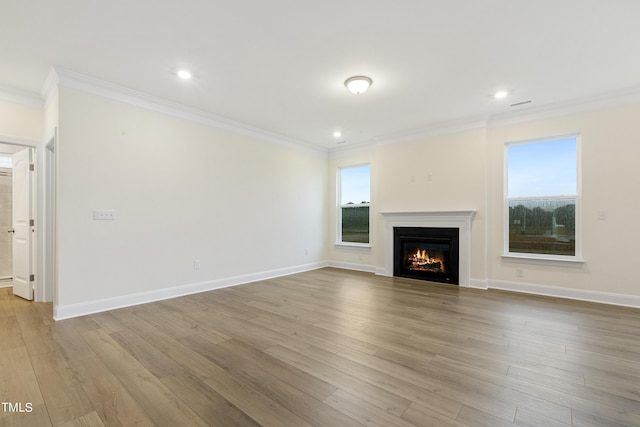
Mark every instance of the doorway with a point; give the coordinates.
(36, 265)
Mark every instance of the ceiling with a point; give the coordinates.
(280, 65)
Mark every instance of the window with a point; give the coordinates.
(353, 204)
(542, 198)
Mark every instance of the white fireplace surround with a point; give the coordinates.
(436, 219)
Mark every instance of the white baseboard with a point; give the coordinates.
(81, 309)
(381, 271)
(479, 284)
(61, 312)
(552, 291)
(569, 293)
(8, 284)
(353, 266)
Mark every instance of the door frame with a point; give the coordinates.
(43, 208)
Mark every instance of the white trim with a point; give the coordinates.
(577, 198)
(353, 244)
(542, 259)
(21, 97)
(49, 87)
(12, 140)
(448, 219)
(479, 284)
(86, 84)
(431, 131)
(61, 312)
(339, 241)
(353, 266)
(569, 293)
(608, 100)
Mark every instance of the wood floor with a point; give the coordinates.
(324, 348)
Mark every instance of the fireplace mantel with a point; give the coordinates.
(460, 219)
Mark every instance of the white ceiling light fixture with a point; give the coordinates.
(358, 84)
(501, 94)
(337, 134)
(184, 74)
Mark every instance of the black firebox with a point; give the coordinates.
(427, 253)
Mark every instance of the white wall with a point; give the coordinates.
(466, 171)
(353, 257)
(184, 191)
(181, 192)
(610, 153)
(19, 122)
(429, 174)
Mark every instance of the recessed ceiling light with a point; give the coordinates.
(358, 84)
(501, 94)
(184, 74)
(337, 134)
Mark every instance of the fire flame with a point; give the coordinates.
(421, 259)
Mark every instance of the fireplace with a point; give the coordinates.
(460, 219)
(427, 253)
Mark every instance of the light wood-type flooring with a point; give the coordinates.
(324, 348)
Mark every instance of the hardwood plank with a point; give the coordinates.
(422, 416)
(38, 417)
(61, 390)
(326, 347)
(210, 405)
(10, 333)
(18, 382)
(363, 411)
(89, 420)
(479, 418)
(160, 403)
(111, 401)
(367, 392)
(529, 418)
(259, 407)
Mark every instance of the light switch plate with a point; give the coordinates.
(104, 214)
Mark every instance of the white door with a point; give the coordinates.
(22, 229)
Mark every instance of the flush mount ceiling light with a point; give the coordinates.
(184, 74)
(501, 94)
(358, 84)
(337, 134)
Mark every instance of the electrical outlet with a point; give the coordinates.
(196, 264)
(519, 272)
(306, 251)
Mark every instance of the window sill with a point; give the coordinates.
(544, 259)
(353, 244)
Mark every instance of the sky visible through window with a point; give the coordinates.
(356, 184)
(546, 168)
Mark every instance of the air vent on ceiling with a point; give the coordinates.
(341, 142)
(517, 104)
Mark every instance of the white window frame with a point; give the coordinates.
(577, 258)
(339, 207)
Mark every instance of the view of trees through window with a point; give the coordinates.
(354, 204)
(541, 197)
(544, 226)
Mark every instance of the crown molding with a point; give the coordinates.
(621, 98)
(60, 77)
(49, 87)
(431, 131)
(87, 84)
(21, 97)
